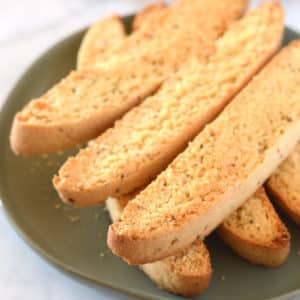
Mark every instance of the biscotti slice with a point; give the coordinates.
(219, 170)
(148, 137)
(188, 273)
(150, 16)
(106, 35)
(88, 101)
(256, 233)
(187, 28)
(100, 40)
(284, 185)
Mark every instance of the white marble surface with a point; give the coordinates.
(27, 28)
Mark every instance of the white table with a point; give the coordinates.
(27, 28)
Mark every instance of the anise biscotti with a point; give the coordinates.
(255, 232)
(188, 273)
(284, 184)
(150, 16)
(86, 102)
(148, 137)
(107, 35)
(219, 170)
(100, 40)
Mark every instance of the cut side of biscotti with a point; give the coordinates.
(100, 40)
(256, 233)
(56, 119)
(284, 185)
(222, 167)
(187, 28)
(147, 138)
(107, 35)
(188, 273)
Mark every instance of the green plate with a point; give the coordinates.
(75, 240)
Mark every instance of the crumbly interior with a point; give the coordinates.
(192, 260)
(186, 25)
(85, 93)
(256, 220)
(182, 104)
(285, 180)
(225, 153)
(190, 29)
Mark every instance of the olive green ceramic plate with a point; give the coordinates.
(75, 240)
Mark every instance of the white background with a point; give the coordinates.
(27, 28)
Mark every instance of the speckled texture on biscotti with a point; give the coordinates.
(141, 62)
(284, 184)
(256, 233)
(144, 142)
(188, 273)
(100, 40)
(219, 170)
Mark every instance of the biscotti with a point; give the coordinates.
(284, 184)
(256, 233)
(188, 273)
(103, 95)
(100, 40)
(148, 137)
(150, 16)
(107, 35)
(219, 170)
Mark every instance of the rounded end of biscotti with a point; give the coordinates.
(137, 247)
(195, 270)
(71, 193)
(190, 285)
(272, 253)
(120, 246)
(131, 248)
(19, 142)
(30, 138)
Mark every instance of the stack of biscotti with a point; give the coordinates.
(221, 167)
(148, 137)
(187, 273)
(254, 231)
(89, 100)
(213, 182)
(261, 238)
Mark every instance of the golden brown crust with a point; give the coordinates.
(188, 273)
(284, 185)
(45, 125)
(148, 137)
(100, 40)
(149, 16)
(143, 59)
(256, 232)
(187, 283)
(220, 169)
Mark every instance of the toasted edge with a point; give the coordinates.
(149, 15)
(96, 194)
(269, 253)
(137, 249)
(187, 284)
(107, 33)
(34, 138)
(282, 199)
(283, 183)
